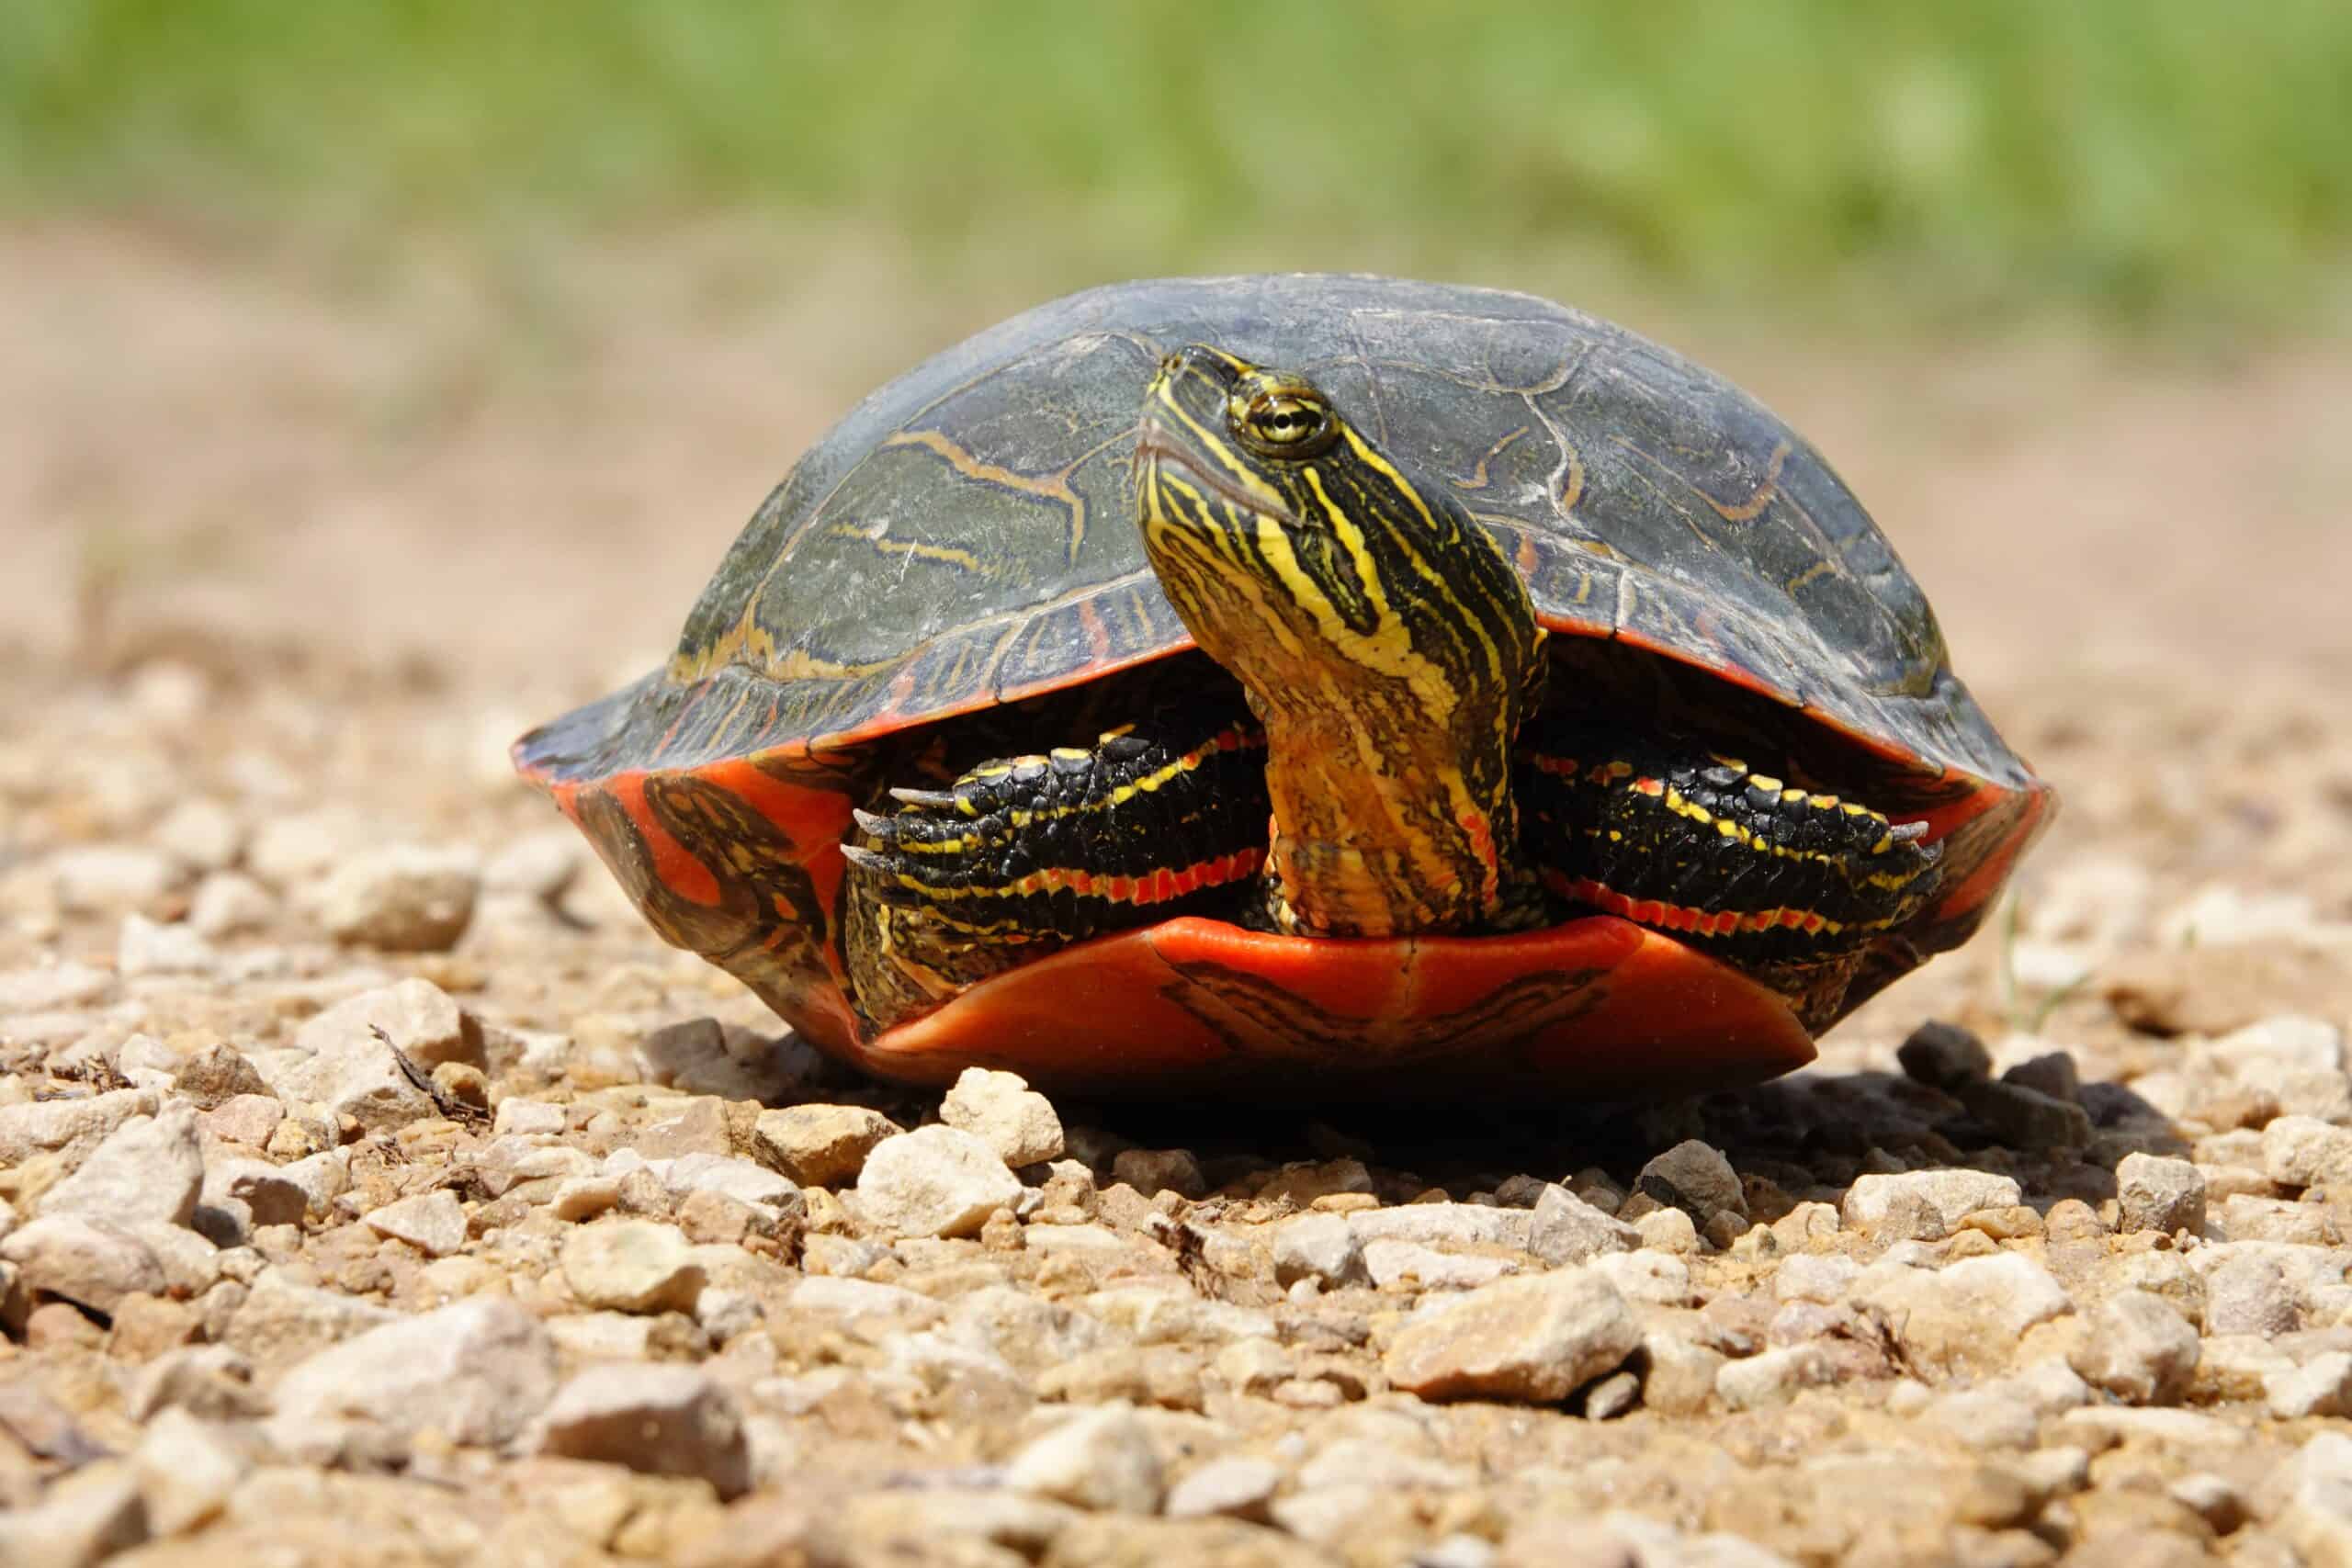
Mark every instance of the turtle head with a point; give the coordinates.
(1284, 537)
(1387, 644)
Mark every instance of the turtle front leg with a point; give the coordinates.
(1024, 855)
(1791, 884)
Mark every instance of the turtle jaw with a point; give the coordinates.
(1383, 640)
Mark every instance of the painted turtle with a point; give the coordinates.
(1332, 682)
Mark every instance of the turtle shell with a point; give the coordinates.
(964, 538)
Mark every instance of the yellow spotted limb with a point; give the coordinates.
(1022, 856)
(1744, 864)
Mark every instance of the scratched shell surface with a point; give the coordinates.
(966, 534)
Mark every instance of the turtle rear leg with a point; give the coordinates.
(1024, 855)
(1790, 884)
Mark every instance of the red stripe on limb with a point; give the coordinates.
(1681, 917)
(1481, 844)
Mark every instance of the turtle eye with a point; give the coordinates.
(1286, 425)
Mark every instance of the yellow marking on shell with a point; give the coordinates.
(1052, 487)
(1753, 507)
(1572, 486)
(1478, 480)
(1813, 575)
(749, 642)
(916, 548)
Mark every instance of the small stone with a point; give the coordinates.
(1004, 1112)
(1322, 1247)
(1973, 1310)
(147, 1326)
(421, 1020)
(98, 879)
(187, 1468)
(1564, 1230)
(2320, 1386)
(1446, 1227)
(819, 1146)
(2303, 1151)
(477, 1371)
(353, 1071)
(213, 1383)
(2247, 1292)
(2211, 1498)
(68, 1128)
(1668, 1230)
(1102, 1458)
(1535, 1338)
(2155, 1194)
(633, 1266)
(92, 1262)
(1815, 1277)
(584, 1198)
(527, 1118)
(204, 834)
(744, 1180)
(1394, 1264)
(1941, 1199)
(1612, 1396)
(1154, 1171)
(402, 898)
(2026, 1117)
(434, 1223)
(84, 1518)
(51, 988)
(2070, 1219)
(1696, 1178)
(61, 1325)
(215, 1074)
(150, 947)
(148, 1169)
(228, 903)
(657, 1420)
(1943, 1055)
(935, 1181)
(1681, 1379)
(1772, 1377)
(2054, 1073)
(1647, 1276)
(1237, 1487)
(1304, 1183)
(1146, 1375)
(1983, 1418)
(1253, 1366)
(270, 1196)
(282, 1321)
(2137, 1349)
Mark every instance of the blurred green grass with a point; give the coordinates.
(2134, 157)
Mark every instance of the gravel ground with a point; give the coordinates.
(374, 1187)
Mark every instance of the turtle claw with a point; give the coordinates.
(925, 799)
(865, 860)
(879, 827)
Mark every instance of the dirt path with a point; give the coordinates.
(283, 569)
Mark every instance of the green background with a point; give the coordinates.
(2136, 159)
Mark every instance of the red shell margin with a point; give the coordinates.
(1594, 1008)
